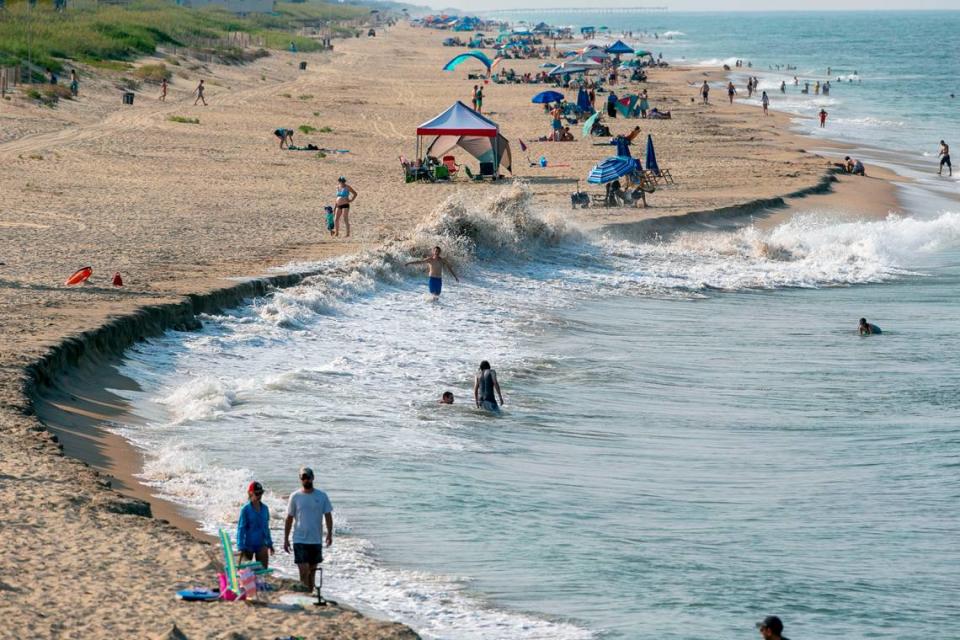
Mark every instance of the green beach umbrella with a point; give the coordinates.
(589, 123)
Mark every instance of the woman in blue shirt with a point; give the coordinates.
(253, 529)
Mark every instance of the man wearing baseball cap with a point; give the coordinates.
(253, 529)
(771, 628)
(307, 512)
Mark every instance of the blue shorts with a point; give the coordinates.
(435, 285)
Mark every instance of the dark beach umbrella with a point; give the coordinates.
(546, 97)
(583, 101)
(623, 146)
(611, 169)
(652, 157)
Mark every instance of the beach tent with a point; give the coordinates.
(652, 157)
(585, 61)
(479, 55)
(567, 67)
(595, 53)
(610, 169)
(619, 48)
(461, 126)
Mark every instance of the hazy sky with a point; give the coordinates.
(710, 5)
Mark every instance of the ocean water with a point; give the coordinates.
(892, 72)
(694, 436)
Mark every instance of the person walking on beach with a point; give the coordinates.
(308, 510)
(945, 158)
(163, 90)
(823, 118)
(435, 266)
(731, 91)
(705, 92)
(345, 195)
(253, 528)
(765, 100)
(771, 628)
(783, 86)
(74, 83)
(473, 97)
(479, 99)
(484, 387)
(199, 91)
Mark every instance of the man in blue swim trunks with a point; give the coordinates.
(435, 265)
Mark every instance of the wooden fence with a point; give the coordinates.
(9, 78)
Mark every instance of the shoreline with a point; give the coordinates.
(81, 408)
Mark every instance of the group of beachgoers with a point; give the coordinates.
(309, 515)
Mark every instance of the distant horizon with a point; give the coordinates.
(689, 6)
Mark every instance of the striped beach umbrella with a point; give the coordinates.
(611, 169)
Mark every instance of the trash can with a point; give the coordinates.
(128, 97)
(303, 66)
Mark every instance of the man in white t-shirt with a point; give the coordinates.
(307, 512)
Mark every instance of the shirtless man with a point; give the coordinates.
(944, 158)
(199, 93)
(435, 265)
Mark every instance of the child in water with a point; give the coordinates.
(330, 219)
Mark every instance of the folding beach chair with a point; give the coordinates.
(450, 162)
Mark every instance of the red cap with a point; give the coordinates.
(254, 486)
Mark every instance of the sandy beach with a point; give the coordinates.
(188, 209)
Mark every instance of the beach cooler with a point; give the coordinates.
(128, 97)
(303, 66)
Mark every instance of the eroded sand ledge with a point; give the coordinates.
(157, 202)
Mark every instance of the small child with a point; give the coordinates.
(329, 211)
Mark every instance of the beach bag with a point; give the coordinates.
(248, 586)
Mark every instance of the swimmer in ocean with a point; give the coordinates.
(867, 329)
(484, 387)
(446, 398)
(435, 265)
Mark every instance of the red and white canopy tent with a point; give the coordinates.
(461, 126)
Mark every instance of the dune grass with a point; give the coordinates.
(183, 119)
(94, 33)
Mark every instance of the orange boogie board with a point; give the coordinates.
(79, 276)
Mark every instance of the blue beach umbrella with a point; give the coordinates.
(652, 156)
(611, 169)
(546, 97)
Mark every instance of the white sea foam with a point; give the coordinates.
(302, 397)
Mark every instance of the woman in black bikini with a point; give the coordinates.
(345, 195)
